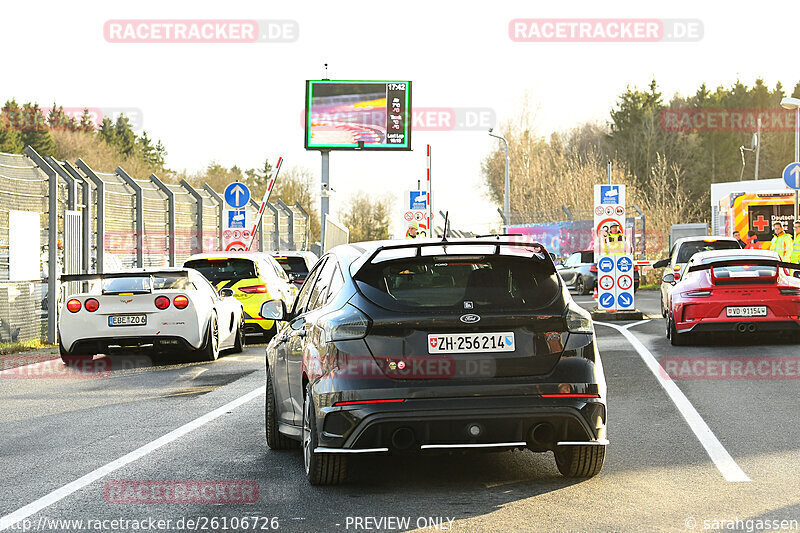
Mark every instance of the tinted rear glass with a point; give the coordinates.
(487, 282)
(216, 270)
(146, 283)
(293, 265)
(688, 249)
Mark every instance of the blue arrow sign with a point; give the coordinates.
(605, 265)
(791, 175)
(624, 264)
(625, 299)
(606, 300)
(237, 195)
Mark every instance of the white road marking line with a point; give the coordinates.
(716, 451)
(22, 513)
(639, 323)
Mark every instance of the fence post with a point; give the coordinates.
(220, 208)
(72, 191)
(139, 214)
(86, 248)
(199, 204)
(308, 225)
(290, 214)
(52, 243)
(101, 213)
(170, 217)
(276, 235)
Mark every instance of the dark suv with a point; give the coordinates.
(429, 346)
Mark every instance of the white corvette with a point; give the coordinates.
(168, 309)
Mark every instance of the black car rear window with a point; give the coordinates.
(474, 282)
(293, 265)
(216, 270)
(688, 249)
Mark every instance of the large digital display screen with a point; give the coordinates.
(351, 115)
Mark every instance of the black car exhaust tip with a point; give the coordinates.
(751, 328)
(403, 438)
(741, 328)
(543, 434)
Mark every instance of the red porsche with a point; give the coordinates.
(734, 292)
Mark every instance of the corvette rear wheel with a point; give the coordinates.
(321, 468)
(210, 349)
(238, 345)
(580, 461)
(70, 358)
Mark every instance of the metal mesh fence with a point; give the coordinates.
(155, 242)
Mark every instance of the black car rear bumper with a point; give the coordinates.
(463, 423)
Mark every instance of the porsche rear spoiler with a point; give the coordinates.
(756, 261)
(126, 274)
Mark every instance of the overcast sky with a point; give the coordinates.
(239, 103)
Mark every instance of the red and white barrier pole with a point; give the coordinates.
(260, 213)
(430, 204)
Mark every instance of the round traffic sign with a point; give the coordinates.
(606, 283)
(625, 282)
(409, 216)
(606, 300)
(599, 210)
(791, 175)
(419, 215)
(625, 299)
(237, 195)
(619, 210)
(624, 264)
(606, 264)
(235, 246)
(609, 210)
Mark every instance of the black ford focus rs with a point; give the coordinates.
(426, 346)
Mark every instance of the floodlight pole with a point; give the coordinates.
(324, 195)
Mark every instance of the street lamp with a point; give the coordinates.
(506, 189)
(794, 103)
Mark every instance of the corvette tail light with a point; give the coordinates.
(181, 302)
(162, 302)
(696, 294)
(254, 289)
(91, 305)
(790, 292)
(74, 305)
(593, 268)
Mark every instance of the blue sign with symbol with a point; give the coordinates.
(237, 195)
(606, 264)
(236, 219)
(625, 299)
(606, 300)
(791, 175)
(624, 264)
(418, 200)
(609, 194)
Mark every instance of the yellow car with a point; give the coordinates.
(255, 278)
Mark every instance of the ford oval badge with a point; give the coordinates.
(470, 319)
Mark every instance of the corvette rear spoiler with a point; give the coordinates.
(125, 274)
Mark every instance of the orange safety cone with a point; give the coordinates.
(594, 295)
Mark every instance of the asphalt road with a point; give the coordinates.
(74, 447)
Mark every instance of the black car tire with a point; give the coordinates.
(580, 286)
(321, 468)
(70, 358)
(675, 338)
(238, 345)
(580, 461)
(275, 439)
(661, 304)
(210, 349)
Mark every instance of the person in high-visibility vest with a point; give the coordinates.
(796, 248)
(614, 243)
(781, 243)
(412, 231)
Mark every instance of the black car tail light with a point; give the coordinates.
(578, 319)
(348, 323)
(593, 268)
(363, 402)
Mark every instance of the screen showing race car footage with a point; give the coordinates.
(351, 115)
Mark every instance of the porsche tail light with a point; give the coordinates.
(697, 294)
(790, 292)
(91, 305)
(181, 302)
(254, 289)
(162, 302)
(74, 305)
(593, 268)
